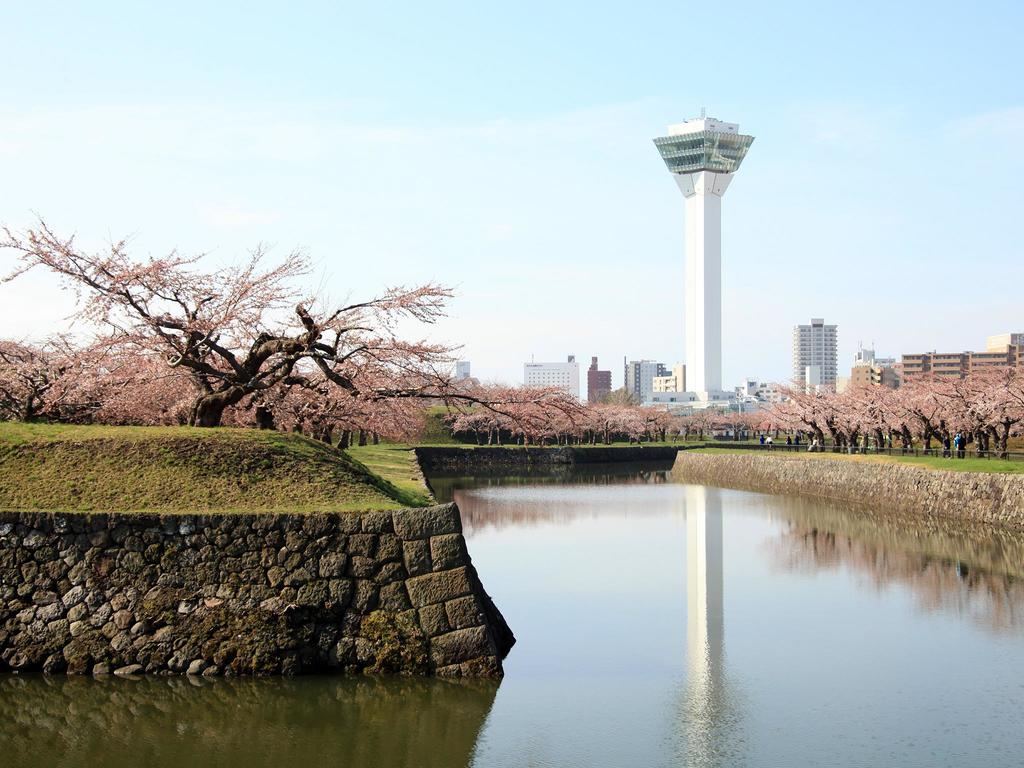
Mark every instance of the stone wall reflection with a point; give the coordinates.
(566, 495)
(356, 723)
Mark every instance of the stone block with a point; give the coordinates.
(434, 620)
(389, 547)
(424, 523)
(314, 594)
(73, 597)
(332, 565)
(393, 597)
(463, 612)
(296, 577)
(448, 551)
(365, 598)
(416, 555)
(377, 522)
(362, 567)
(363, 544)
(389, 573)
(340, 591)
(459, 646)
(275, 576)
(439, 587)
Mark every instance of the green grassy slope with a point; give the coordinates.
(396, 464)
(181, 470)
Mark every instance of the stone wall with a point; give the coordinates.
(986, 497)
(245, 595)
(498, 457)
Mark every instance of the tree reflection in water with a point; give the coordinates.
(569, 485)
(968, 571)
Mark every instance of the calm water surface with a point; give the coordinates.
(658, 624)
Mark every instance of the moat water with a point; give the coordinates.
(658, 624)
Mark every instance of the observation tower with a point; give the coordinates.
(703, 154)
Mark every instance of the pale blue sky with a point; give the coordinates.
(507, 151)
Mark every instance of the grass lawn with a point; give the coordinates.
(180, 470)
(396, 464)
(928, 462)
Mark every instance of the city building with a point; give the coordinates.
(869, 370)
(812, 378)
(565, 375)
(599, 383)
(749, 388)
(815, 345)
(702, 154)
(874, 375)
(1003, 340)
(674, 382)
(1003, 351)
(462, 370)
(639, 375)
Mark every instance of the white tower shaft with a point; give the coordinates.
(703, 306)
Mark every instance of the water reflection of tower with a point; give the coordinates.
(709, 717)
(704, 620)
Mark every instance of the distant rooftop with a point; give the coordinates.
(703, 144)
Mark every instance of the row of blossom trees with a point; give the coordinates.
(986, 408)
(538, 423)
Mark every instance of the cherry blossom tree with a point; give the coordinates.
(241, 331)
(45, 381)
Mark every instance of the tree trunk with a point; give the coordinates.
(264, 417)
(207, 411)
(346, 439)
(362, 437)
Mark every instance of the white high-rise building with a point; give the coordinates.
(462, 368)
(562, 375)
(815, 345)
(702, 154)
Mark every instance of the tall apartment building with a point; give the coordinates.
(639, 378)
(1003, 351)
(565, 375)
(599, 383)
(815, 346)
(462, 370)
